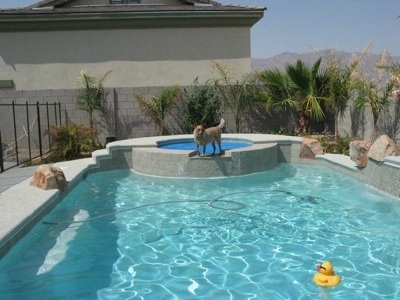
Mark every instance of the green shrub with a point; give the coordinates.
(201, 106)
(341, 146)
(71, 142)
(283, 131)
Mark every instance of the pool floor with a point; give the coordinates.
(120, 235)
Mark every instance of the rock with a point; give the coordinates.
(48, 177)
(382, 147)
(310, 148)
(359, 152)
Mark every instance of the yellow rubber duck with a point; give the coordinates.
(325, 275)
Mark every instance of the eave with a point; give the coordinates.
(52, 21)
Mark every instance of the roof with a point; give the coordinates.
(61, 15)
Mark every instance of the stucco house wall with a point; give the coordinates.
(144, 57)
(48, 44)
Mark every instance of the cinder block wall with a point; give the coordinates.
(129, 121)
(126, 116)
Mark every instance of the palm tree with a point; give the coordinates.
(90, 94)
(309, 86)
(277, 93)
(158, 107)
(298, 87)
(239, 93)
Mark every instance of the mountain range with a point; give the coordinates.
(280, 61)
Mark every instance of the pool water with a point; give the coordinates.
(189, 144)
(120, 235)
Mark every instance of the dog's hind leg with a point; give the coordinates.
(220, 149)
(213, 145)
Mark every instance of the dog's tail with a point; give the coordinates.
(221, 124)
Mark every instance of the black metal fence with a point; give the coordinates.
(22, 131)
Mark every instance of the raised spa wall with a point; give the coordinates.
(143, 156)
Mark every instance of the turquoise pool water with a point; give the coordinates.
(120, 235)
(189, 144)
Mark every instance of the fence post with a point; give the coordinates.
(59, 112)
(15, 133)
(29, 131)
(1, 155)
(48, 121)
(39, 129)
(55, 112)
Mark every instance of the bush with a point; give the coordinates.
(201, 106)
(283, 131)
(341, 146)
(71, 142)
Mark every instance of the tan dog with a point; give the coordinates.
(210, 135)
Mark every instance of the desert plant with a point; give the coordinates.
(70, 142)
(376, 93)
(342, 82)
(376, 97)
(201, 105)
(90, 94)
(239, 94)
(390, 121)
(358, 121)
(158, 107)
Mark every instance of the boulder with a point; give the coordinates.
(47, 177)
(359, 152)
(310, 148)
(382, 147)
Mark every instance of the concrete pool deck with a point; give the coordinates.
(22, 205)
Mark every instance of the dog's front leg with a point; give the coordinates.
(204, 149)
(197, 149)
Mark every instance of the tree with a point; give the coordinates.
(90, 95)
(158, 107)
(239, 93)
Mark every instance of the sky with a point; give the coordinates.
(304, 25)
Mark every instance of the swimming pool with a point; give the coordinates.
(261, 236)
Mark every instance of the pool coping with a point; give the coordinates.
(24, 205)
